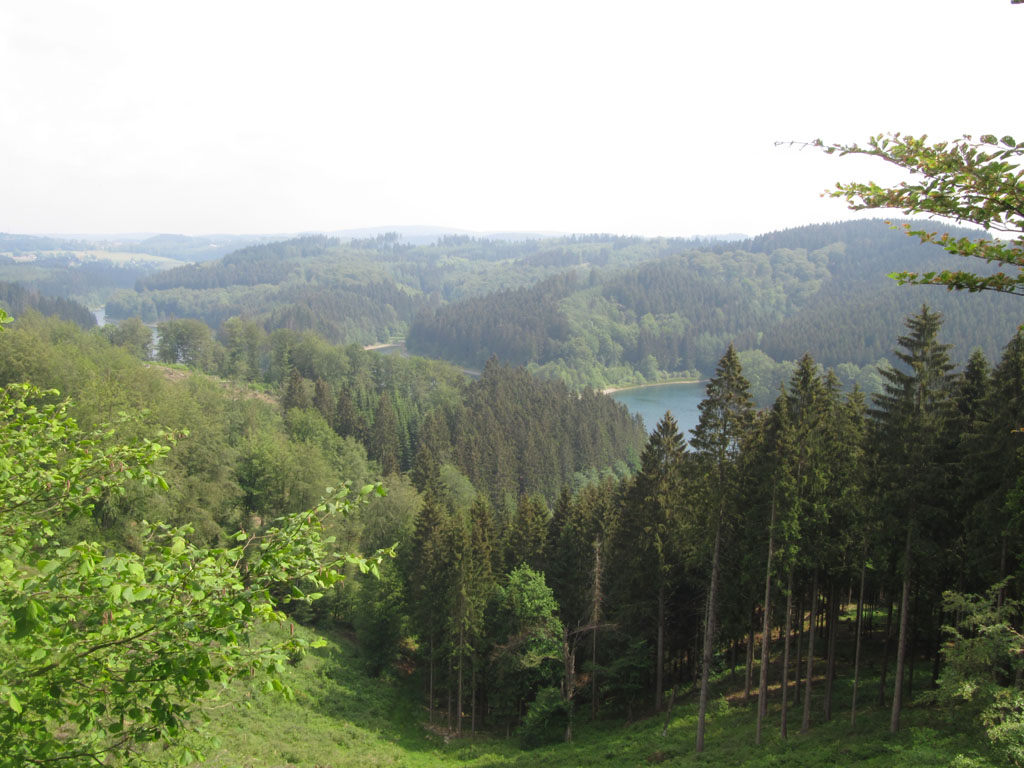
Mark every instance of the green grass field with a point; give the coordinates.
(340, 717)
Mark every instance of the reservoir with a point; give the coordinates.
(652, 401)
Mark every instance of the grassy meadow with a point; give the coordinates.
(340, 717)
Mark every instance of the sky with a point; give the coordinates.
(654, 118)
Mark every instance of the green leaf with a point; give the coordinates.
(14, 704)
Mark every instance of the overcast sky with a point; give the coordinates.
(651, 118)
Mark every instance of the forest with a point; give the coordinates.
(590, 311)
(547, 575)
(247, 539)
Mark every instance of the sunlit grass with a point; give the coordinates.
(340, 717)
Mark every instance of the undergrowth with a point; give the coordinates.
(341, 717)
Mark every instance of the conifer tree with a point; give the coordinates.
(323, 400)
(385, 443)
(528, 533)
(648, 541)
(347, 421)
(912, 415)
(725, 419)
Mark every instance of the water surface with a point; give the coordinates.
(651, 403)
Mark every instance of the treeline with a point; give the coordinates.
(249, 266)
(369, 289)
(18, 300)
(518, 326)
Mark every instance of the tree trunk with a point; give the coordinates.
(799, 648)
(833, 631)
(856, 653)
(448, 686)
(472, 722)
(659, 673)
(885, 654)
(597, 600)
(569, 681)
(430, 688)
(901, 646)
(458, 700)
(750, 656)
(805, 723)
(912, 649)
(709, 639)
(766, 637)
(785, 653)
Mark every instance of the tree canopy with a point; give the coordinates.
(103, 650)
(964, 180)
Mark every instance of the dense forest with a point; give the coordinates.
(821, 288)
(589, 311)
(536, 563)
(542, 590)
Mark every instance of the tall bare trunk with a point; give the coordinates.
(750, 655)
(458, 700)
(659, 669)
(569, 680)
(885, 653)
(430, 693)
(805, 723)
(833, 631)
(709, 639)
(799, 648)
(901, 646)
(785, 654)
(596, 604)
(766, 638)
(448, 687)
(472, 722)
(856, 654)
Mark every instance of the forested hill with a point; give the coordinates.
(820, 289)
(595, 310)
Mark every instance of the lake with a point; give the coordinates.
(651, 403)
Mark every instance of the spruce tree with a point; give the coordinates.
(725, 419)
(912, 414)
(648, 541)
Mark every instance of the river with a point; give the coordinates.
(651, 402)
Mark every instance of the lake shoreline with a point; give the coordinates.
(610, 390)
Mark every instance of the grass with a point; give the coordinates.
(340, 717)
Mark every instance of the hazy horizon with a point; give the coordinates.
(660, 119)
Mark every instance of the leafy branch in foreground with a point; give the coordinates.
(964, 180)
(101, 652)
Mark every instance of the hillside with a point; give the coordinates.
(821, 290)
(340, 716)
(591, 311)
